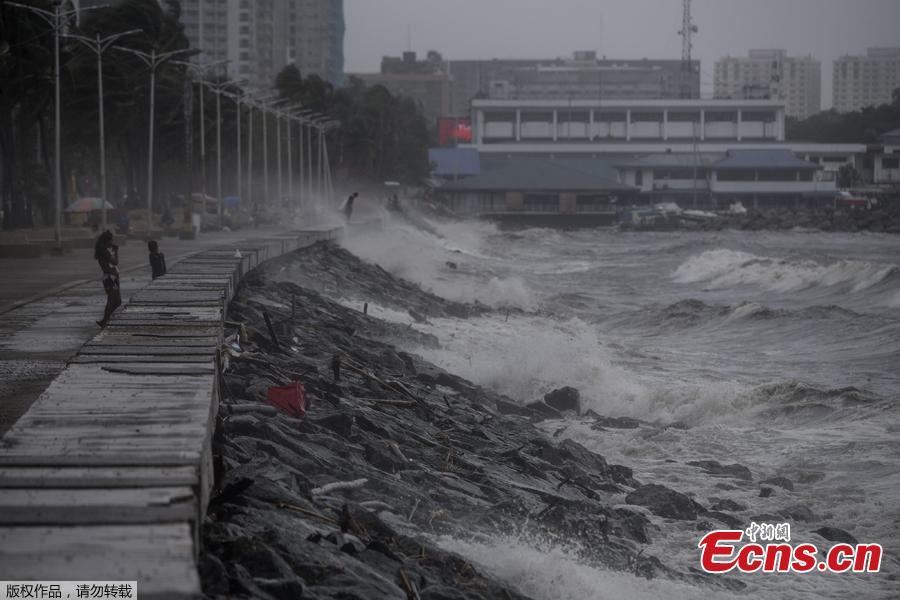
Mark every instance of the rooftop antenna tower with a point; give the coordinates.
(688, 29)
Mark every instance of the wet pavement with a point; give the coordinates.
(50, 307)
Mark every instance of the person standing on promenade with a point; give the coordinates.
(348, 206)
(157, 260)
(107, 255)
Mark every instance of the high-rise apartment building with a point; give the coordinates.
(772, 74)
(870, 80)
(260, 37)
(315, 38)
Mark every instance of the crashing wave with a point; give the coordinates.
(722, 268)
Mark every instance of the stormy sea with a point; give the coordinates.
(756, 374)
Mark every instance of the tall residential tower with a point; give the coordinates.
(260, 37)
(870, 80)
(772, 74)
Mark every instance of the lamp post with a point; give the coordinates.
(56, 18)
(100, 45)
(288, 118)
(265, 106)
(153, 60)
(217, 89)
(200, 70)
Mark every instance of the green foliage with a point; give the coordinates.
(862, 127)
(26, 69)
(848, 177)
(381, 137)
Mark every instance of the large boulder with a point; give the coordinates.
(833, 534)
(563, 399)
(664, 502)
(782, 482)
(715, 468)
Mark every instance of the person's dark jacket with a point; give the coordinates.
(158, 264)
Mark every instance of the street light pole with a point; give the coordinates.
(217, 89)
(153, 61)
(57, 115)
(309, 164)
(200, 69)
(278, 152)
(250, 153)
(290, 166)
(99, 46)
(55, 19)
(265, 157)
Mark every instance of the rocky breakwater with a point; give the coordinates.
(348, 501)
(880, 219)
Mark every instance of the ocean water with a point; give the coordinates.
(778, 351)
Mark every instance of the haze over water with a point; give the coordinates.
(778, 351)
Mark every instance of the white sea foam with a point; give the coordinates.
(422, 256)
(547, 571)
(723, 268)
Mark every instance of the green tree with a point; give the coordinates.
(848, 177)
(863, 126)
(126, 87)
(381, 137)
(26, 69)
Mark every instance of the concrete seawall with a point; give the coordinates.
(108, 475)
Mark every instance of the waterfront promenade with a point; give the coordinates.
(107, 475)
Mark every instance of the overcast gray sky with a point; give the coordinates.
(617, 28)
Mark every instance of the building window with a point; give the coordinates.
(890, 163)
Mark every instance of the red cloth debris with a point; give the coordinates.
(290, 399)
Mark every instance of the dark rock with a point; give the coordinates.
(543, 410)
(726, 504)
(440, 592)
(408, 362)
(564, 399)
(765, 518)
(283, 589)
(798, 512)
(352, 545)
(615, 423)
(833, 534)
(766, 492)
(585, 457)
(715, 468)
(381, 457)
(730, 520)
(259, 559)
(213, 574)
(504, 407)
(782, 482)
(339, 423)
(664, 502)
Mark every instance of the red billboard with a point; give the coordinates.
(454, 130)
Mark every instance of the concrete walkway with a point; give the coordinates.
(108, 475)
(49, 307)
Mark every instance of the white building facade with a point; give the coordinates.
(797, 81)
(704, 153)
(870, 80)
(623, 125)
